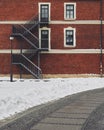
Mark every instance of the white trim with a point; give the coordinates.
(58, 22)
(44, 3)
(70, 3)
(45, 28)
(74, 35)
(55, 51)
(13, 22)
(90, 22)
(73, 51)
(15, 51)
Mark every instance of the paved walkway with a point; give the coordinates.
(84, 113)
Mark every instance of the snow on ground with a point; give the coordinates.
(22, 94)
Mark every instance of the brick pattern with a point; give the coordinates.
(59, 64)
(5, 60)
(25, 9)
(70, 63)
(4, 64)
(87, 36)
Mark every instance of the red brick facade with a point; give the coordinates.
(70, 64)
(84, 58)
(25, 9)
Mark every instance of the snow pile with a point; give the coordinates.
(21, 95)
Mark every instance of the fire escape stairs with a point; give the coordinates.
(24, 31)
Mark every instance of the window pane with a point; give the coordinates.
(44, 11)
(69, 11)
(71, 15)
(44, 32)
(44, 6)
(69, 37)
(70, 7)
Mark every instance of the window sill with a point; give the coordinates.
(69, 19)
(70, 46)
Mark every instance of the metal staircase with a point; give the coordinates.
(25, 32)
(24, 62)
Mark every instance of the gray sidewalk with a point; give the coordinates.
(77, 112)
(81, 114)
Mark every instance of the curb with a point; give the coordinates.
(25, 120)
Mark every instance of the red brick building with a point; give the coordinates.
(53, 36)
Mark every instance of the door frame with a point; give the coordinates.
(49, 39)
(44, 3)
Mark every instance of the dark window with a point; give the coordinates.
(44, 39)
(44, 13)
(69, 37)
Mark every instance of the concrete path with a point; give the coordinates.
(84, 113)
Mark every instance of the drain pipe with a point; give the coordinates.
(101, 50)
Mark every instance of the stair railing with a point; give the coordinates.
(28, 65)
(32, 22)
(26, 30)
(30, 38)
(29, 25)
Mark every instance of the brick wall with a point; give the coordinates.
(87, 35)
(17, 10)
(25, 9)
(59, 64)
(70, 64)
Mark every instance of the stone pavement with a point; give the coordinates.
(84, 113)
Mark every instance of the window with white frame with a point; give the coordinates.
(44, 38)
(44, 11)
(69, 37)
(70, 11)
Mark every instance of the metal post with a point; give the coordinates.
(39, 47)
(11, 70)
(101, 56)
(20, 57)
(38, 62)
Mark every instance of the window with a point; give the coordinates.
(70, 11)
(44, 12)
(44, 36)
(69, 37)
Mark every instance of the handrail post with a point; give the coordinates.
(11, 69)
(101, 56)
(38, 62)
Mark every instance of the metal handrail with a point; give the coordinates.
(25, 31)
(22, 30)
(30, 42)
(30, 62)
(29, 31)
(35, 70)
(28, 65)
(33, 20)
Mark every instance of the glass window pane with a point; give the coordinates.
(69, 11)
(69, 7)
(44, 11)
(69, 37)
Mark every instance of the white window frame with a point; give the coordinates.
(45, 28)
(45, 3)
(74, 37)
(74, 4)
